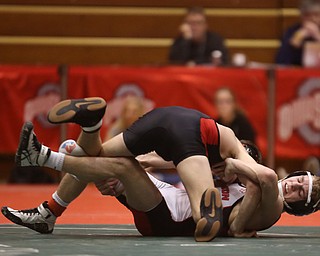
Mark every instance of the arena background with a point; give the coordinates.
(52, 49)
(44, 36)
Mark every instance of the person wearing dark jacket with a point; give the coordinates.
(295, 38)
(196, 44)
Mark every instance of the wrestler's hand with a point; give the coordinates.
(110, 187)
(224, 171)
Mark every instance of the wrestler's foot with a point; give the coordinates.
(211, 216)
(87, 112)
(30, 152)
(40, 219)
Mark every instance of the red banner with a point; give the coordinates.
(29, 92)
(298, 113)
(188, 87)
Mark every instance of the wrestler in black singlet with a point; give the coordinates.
(175, 133)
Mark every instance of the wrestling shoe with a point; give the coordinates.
(86, 112)
(30, 152)
(40, 219)
(211, 216)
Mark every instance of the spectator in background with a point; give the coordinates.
(196, 44)
(230, 115)
(312, 164)
(294, 39)
(132, 109)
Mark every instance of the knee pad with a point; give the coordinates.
(70, 147)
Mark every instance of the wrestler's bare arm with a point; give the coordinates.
(238, 224)
(231, 147)
(251, 199)
(269, 207)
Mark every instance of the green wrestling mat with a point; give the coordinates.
(120, 240)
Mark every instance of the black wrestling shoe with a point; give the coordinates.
(210, 223)
(86, 112)
(30, 152)
(40, 219)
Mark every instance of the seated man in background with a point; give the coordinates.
(196, 43)
(294, 39)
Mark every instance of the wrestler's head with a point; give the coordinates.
(300, 192)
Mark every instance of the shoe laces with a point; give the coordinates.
(35, 143)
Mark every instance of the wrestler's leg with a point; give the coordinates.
(90, 142)
(140, 191)
(205, 199)
(87, 113)
(196, 176)
(68, 190)
(42, 218)
(92, 169)
(98, 168)
(141, 194)
(115, 147)
(70, 187)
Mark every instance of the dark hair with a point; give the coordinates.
(196, 10)
(252, 150)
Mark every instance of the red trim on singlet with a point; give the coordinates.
(209, 132)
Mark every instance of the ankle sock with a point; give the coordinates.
(55, 161)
